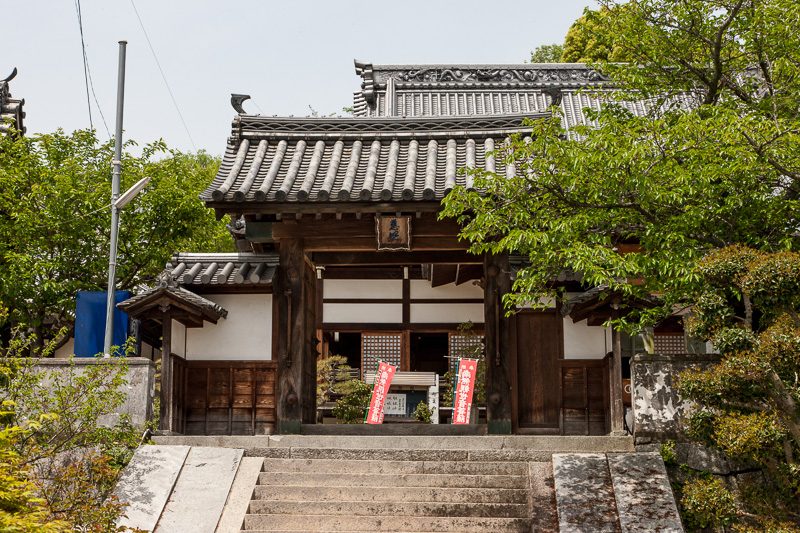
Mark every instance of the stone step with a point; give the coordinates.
(407, 509)
(388, 454)
(584, 494)
(310, 479)
(317, 523)
(539, 443)
(643, 495)
(359, 466)
(390, 494)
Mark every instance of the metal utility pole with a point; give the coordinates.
(117, 163)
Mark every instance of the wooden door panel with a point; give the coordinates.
(539, 348)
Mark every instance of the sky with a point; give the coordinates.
(288, 55)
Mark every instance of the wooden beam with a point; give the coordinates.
(498, 341)
(370, 243)
(291, 332)
(395, 258)
(352, 227)
(468, 273)
(615, 380)
(443, 274)
(165, 410)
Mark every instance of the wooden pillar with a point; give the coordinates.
(165, 411)
(499, 351)
(615, 380)
(288, 290)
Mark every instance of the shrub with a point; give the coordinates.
(707, 503)
(352, 407)
(423, 413)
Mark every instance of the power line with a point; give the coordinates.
(163, 76)
(87, 75)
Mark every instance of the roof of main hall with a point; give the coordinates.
(322, 160)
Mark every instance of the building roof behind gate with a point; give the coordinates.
(339, 160)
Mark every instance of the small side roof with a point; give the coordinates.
(206, 270)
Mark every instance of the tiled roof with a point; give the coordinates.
(271, 160)
(196, 270)
(141, 304)
(11, 113)
(470, 90)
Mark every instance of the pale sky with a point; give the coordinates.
(286, 54)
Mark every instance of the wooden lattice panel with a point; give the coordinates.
(377, 347)
(670, 344)
(463, 346)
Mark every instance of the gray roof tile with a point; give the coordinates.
(195, 270)
(278, 160)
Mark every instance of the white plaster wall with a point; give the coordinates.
(179, 340)
(246, 334)
(362, 313)
(421, 288)
(446, 313)
(362, 288)
(582, 341)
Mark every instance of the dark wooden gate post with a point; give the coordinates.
(291, 335)
(497, 336)
(617, 410)
(165, 409)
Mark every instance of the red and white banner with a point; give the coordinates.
(382, 382)
(465, 384)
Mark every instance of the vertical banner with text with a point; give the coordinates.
(383, 381)
(465, 383)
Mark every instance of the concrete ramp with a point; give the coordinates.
(614, 493)
(177, 488)
(147, 482)
(201, 491)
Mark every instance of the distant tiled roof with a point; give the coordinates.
(11, 113)
(277, 160)
(461, 90)
(196, 270)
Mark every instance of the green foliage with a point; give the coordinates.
(55, 221)
(423, 413)
(707, 503)
(668, 452)
(588, 39)
(707, 184)
(62, 437)
(352, 408)
(547, 53)
(333, 378)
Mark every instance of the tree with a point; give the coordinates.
(60, 453)
(747, 305)
(54, 221)
(547, 53)
(592, 38)
(714, 163)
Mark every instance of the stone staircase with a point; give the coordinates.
(373, 494)
(412, 484)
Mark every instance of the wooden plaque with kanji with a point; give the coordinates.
(393, 232)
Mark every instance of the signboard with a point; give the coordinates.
(465, 384)
(395, 404)
(393, 232)
(383, 380)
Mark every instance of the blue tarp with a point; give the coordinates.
(90, 322)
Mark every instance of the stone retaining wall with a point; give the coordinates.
(139, 390)
(659, 412)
